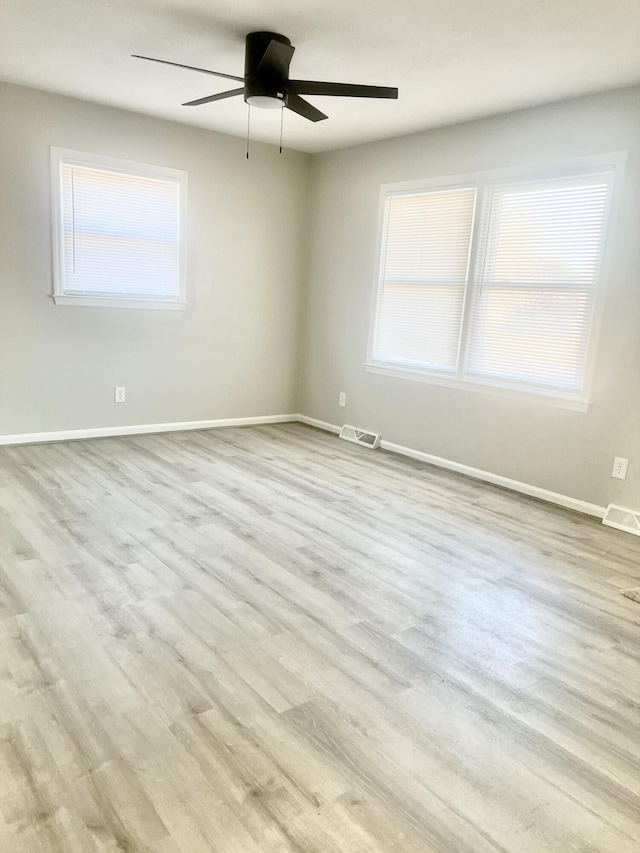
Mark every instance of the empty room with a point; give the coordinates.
(319, 426)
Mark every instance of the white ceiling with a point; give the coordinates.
(451, 59)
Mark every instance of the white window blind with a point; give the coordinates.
(118, 232)
(535, 282)
(423, 272)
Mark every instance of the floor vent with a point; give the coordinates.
(622, 519)
(360, 436)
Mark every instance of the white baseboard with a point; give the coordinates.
(477, 473)
(319, 424)
(498, 480)
(459, 467)
(140, 429)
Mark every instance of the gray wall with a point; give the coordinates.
(564, 451)
(232, 353)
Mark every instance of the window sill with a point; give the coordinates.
(525, 395)
(110, 302)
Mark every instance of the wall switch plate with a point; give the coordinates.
(119, 394)
(342, 399)
(620, 468)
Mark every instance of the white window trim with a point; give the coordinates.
(483, 181)
(131, 167)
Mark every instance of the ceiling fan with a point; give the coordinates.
(266, 80)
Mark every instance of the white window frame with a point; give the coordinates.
(60, 156)
(483, 182)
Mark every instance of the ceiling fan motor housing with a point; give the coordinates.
(264, 74)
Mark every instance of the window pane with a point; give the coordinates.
(419, 324)
(121, 233)
(533, 336)
(423, 271)
(535, 284)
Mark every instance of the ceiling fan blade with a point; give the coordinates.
(347, 90)
(276, 59)
(189, 67)
(219, 97)
(304, 108)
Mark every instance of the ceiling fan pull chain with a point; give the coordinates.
(281, 124)
(248, 128)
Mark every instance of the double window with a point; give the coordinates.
(485, 282)
(118, 231)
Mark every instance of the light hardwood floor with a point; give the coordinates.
(266, 640)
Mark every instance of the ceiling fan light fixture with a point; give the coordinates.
(267, 102)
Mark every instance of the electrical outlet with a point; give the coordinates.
(620, 468)
(119, 394)
(342, 399)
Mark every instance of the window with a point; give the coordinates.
(423, 274)
(118, 232)
(492, 283)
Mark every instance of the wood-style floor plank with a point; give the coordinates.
(265, 640)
